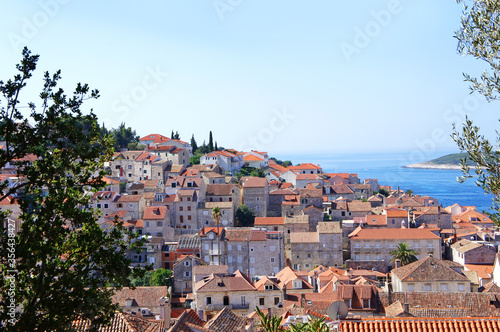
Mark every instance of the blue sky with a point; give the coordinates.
(281, 76)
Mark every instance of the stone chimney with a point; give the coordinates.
(165, 310)
(397, 263)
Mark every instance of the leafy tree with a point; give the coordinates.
(245, 216)
(194, 146)
(478, 36)
(258, 173)
(287, 163)
(124, 136)
(142, 280)
(404, 254)
(384, 192)
(409, 192)
(314, 325)
(194, 159)
(60, 258)
(210, 142)
(161, 277)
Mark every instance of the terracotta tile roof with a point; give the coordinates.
(396, 213)
(308, 177)
(129, 198)
(216, 230)
(220, 189)
(258, 235)
(251, 157)
(265, 281)
(376, 220)
(254, 182)
(428, 269)
(312, 207)
(286, 185)
(471, 216)
(308, 166)
(141, 296)
(329, 227)
(187, 318)
(483, 271)
(154, 137)
(222, 205)
(226, 320)
(122, 322)
(284, 191)
(186, 192)
(286, 277)
(491, 287)
(359, 206)
(304, 237)
(210, 269)
(8, 201)
(261, 221)
(313, 193)
(465, 245)
(155, 213)
(421, 325)
(230, 283)
(393, 234)
(238, 235)
(105, 195)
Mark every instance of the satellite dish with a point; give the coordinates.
(338, 310)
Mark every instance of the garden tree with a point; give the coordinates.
(142, 280)
(123, 136)
(210, 142)
(384, 192)
(161, 277)
(478, 36)
(60, 258)
(258, 172)
(404, 254)
(194, 146)
(195, 159)
(245, 216)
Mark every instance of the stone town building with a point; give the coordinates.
(375, 244)
(223, 193)
(156, 222)
(205, 214)
(255, 195)
(322, 247)
(430, 274)
(235, 291)
(276, 197)
(185, 212)
(468, 252)
(183, 274)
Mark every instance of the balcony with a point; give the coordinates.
(216, 252)
(219, 307)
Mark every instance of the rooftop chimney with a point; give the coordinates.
(165, 311)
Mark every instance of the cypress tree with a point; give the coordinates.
(210, 142)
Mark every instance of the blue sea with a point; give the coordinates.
(389, 170)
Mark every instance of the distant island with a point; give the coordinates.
(450, 161)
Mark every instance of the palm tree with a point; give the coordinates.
(270, 323)
(409, 192)
(404, 254)
(216, 214)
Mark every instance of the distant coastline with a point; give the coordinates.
(430, 165)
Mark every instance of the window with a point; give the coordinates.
(251, 249)
(243, 301)
(240, 259)
(189, 208)
(229, 247)
(187, 263)
(147, 224)
(444, 287)
(272, 259)
(308, 255)
(427, 287)
(189, 199)
(189, 217)
(262, 301)
(129, 167)
(276, 300)
(411, 287)
(461, 287)
(205, 213)
(268, 287)
(187, 273)
(181, 208)
(230, 259)
(366, 303)
(159, 223)
(131, 205)
(252, 260)
(98, 205)
(239, 247)
(106, 205)
(208, 300)
(174, 185)
(273, 248)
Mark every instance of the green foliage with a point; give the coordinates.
(194, 146)
(195, 159)
(216, 214)
(478, 36)
(258, 172)
(314, 325)
(250, 171)
(269, 323)
(210, 142)
(123, 136)
(384, 192)
(143, 280)
(404, 254)
(245, 216)
(409, 192)
(161, 277)
(451, 159)
(63, 258)
(285, 163)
